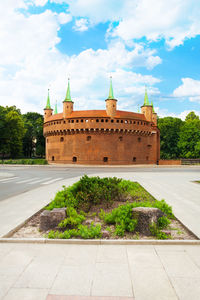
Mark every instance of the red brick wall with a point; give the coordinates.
(130, 142)
(169, 162)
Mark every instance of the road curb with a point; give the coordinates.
(99, 242)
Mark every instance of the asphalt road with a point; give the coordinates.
(15, 180)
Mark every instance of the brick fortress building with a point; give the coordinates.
(107, 136)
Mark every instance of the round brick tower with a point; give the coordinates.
(101, 136)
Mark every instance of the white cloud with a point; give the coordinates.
(40, 2)
(81, 25)
(64, 18)
(165, 113)
(96, 10)
(30, 62)
(189, 88)
(173, 20)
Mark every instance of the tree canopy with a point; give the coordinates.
(33, 140)
(169, 135)
(180, 139)
(20, 135)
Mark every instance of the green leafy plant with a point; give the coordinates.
(158, 233)
(122, 218)
(163, 222)
(120, 230)
(102, 214)
(73, 219)
(91, 232)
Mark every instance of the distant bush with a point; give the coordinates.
(25, 161)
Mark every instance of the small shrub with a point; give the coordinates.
(102, 214)
(91, 232)
(158, 233)
(163, 222)
(122, 218)
(164, 207)
(73, 219)
(108, 229)
(120, 230)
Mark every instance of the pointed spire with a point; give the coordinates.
(111, 96)
(68, 94)
(56, 109)
(152, 107)
(146, 99)
(48, 106)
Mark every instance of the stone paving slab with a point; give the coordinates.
(43, 271)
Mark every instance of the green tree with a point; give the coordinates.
(4, 145)
(14, 131)
(189, 142)
(169, 137)
(33, 141)
(191, 116)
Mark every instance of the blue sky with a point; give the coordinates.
(139, 42)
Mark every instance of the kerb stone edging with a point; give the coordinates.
(99, 242)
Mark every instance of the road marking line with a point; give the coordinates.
(51, 181)
(8, 179)
(39, 180)
(26, 180)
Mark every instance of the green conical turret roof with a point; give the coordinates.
(48, 106)
(152, 107)
(68, 94)
(56, 109)
(111, 95)
(146, 99)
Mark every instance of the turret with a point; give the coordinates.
(55, 109)
(147, 109)
(154, 116)
(111, 102)
(67, 103)
(47, 110)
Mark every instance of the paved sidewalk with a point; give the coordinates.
(34, 271)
